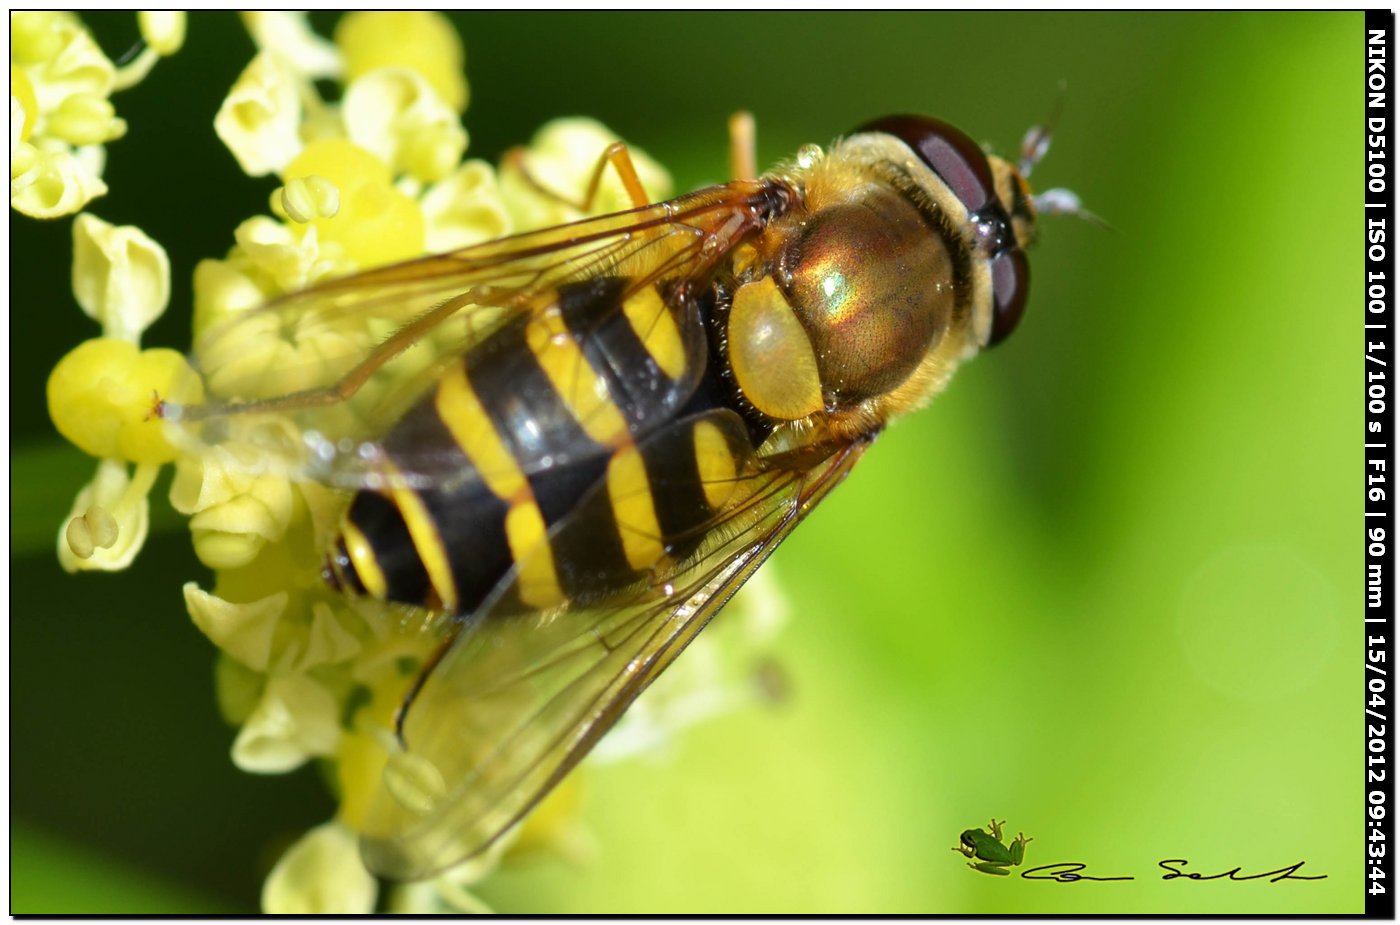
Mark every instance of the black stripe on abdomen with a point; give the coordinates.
(588, 555)
(532, 418)
(379, 520)
(468, 518)
(676, 490)
(593, 313)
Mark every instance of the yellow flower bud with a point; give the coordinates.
(424, 42)
(163, 30)
(85, 119)
(344, 163)
(375, 224)
(102, 398)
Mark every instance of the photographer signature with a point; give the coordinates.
(1071, 872)
(989, 853)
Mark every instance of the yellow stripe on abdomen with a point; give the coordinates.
(634, 510)
(362, 558)
(714, 461)
(655, 327)
(580, 388)
(466, 420)
(526, 533)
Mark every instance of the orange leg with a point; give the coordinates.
(743, 160)
(615, 154)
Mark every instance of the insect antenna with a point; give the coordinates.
(1036, 142)
(1034, 146)
(1060, 201)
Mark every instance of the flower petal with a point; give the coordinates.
(287, 255)
(321, 875)
(562, 157)
(121, 277)
(78, 66)
(289, 36)
(234, 510)
(237, 688)
(124, 498)
(260, 118)
(328, 641)
(395, 114)
(58, 184)
(464, 209)
(245, 631)
(296, 720)
(24, 108)
(223, 288)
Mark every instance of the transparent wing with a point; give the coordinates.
(518, 700)
(310, 380)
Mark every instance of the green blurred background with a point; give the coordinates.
(1104, 588)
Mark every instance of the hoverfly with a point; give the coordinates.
(595, 433)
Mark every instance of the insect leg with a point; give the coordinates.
(424, 671)
(615, 154)
(743, 157)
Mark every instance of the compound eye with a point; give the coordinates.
(955, 158)
(1011, 285)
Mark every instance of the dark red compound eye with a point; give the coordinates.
(960, 163)
(1011, 284)
(957, 159)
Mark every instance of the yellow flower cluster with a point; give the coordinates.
(307, 674)
(101, 394)
(61, 113)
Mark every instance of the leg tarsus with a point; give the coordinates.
(615, 154)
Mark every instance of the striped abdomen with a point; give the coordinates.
(567, 413)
